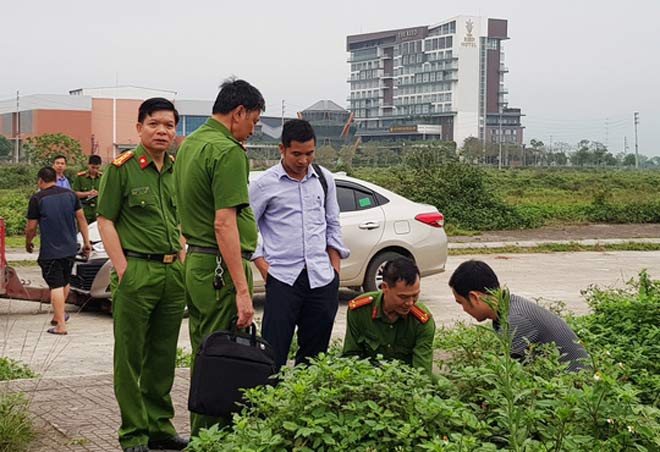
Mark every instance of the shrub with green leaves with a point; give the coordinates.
(481, 400)
(625, 330)
(13, 209)
(16, 430)
(18, 176)
(342, 404)
(458, 190)
(13, 370)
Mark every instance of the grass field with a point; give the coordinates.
(531, 198)
(474, 199)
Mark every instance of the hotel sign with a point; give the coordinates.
(403, 129)
(469, 40)
(411, 34)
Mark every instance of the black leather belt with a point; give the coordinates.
(164, 258)
(214, 251)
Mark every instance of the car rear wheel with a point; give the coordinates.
(374, 275)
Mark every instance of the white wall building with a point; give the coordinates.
(441, 81)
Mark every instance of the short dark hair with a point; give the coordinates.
(95, 160)
(59, 156)
(47, 174)
(471, 276)
(400, 269)
(151, 106)
(297, 130)
(234, 93)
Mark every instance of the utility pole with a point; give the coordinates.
(625, 144)
(499, 163)
(18, 128)
(636, 117)
(607, 133)
(282, 115)
(114, 117)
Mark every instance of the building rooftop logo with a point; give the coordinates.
(468, 39)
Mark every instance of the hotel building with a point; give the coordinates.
(443, 81)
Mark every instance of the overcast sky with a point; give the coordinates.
(578, 69)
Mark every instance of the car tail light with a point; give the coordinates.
(435, 219)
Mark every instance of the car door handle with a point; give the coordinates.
(369, 225)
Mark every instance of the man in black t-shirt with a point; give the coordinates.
(55, 210)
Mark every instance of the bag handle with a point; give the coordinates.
(251, 330)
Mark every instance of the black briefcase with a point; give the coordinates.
(227, 362)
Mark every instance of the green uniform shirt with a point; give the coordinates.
(84, 182)
(369, 333)
(212, 171)
(141, 202)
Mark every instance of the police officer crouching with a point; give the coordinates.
(391, 322)
(138, 224)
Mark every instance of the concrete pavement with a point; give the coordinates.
(73, 403)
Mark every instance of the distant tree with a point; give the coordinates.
(368, 154)
(326, 155)
(43, 148)
(346, 154)
(5, 147)
(628, 160)
(472, 149)
(538, 151)
(558, 158)
(583, 155)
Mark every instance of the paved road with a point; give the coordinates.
(88, 347)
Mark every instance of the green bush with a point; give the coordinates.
(18, 176)
(624, 328)
(16, 430)
(481, 400)
(183, 358)
(457, 190)
(14, 370)
(474, 198)
(13, 208)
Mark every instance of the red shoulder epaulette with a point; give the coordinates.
(419, 314)
(125, 157)
(359, 302)
(81, 173)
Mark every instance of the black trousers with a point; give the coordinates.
(311, 310)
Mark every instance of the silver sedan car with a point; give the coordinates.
(377, 225)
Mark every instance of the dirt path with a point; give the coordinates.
(568, 232)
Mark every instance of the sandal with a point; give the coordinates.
(66, 319)
(54, 331)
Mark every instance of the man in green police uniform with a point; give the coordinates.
(86, 185)
(390, 322)
(140, 230)
(216, 218)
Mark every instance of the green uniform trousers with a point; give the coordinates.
(147, 308)
(209, 310)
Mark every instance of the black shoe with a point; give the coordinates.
(136, 449)
(174, 443)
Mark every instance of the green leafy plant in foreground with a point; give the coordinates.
(480, 400)
(13, 370)
(16, 430)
